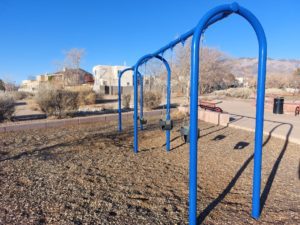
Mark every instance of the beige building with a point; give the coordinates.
(106, 79)
(68, 78)
(29, 86)
(33, 85)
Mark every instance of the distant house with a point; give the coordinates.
(29, 86)
(72, 77)
(64, 78)
(106, 79)
(242, 81)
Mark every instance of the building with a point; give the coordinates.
(31, 86)
(65, 78)
(72, 77)
(106, 79)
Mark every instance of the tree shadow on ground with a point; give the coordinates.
(202, 216)
(47, 152)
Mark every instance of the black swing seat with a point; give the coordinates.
(143, 121)
(185, 133)
(166, 124)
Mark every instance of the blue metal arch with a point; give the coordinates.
(202, 25)
(141, 61)
(120, 74)
(171, 45)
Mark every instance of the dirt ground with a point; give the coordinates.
(90, 175)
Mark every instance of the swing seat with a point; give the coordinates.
(143, 121)
(185, 133)
(166, 124)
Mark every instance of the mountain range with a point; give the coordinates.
(241, 67)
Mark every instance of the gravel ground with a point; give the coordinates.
(89, 175)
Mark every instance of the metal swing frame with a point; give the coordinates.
(211, 17)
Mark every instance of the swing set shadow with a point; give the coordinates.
(265, 193)
(182, 144)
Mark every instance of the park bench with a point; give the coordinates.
(212, 106)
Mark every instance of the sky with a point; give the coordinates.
(35, 33)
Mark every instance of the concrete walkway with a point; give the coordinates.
(242, 116)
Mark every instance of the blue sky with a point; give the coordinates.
(34, 33)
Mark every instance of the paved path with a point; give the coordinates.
(242, 113)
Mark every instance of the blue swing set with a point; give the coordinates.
(211, 17)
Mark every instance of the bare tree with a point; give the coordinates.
(9, 84)
(71, 73)
(214, 72)
(73, 57)
(294, 80)
(277, 81)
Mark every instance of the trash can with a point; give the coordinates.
(278, 105)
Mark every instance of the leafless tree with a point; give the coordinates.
(294, 80)
(70, 67)
(214, 73)
(73, 57)
(277, 81)
(9, 84)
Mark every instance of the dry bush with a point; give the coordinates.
(275, 91)
(152, 99)
(56, 102)
(7, 106)
(86, 98)
(276, 81)
(243, 93)
(79, 88)
(99, 96)
(126, 101)
(20, 95)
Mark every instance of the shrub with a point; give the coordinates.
(7, 106)
(20, 95)
(243, 93)
(87, 97)
(99, 96)
(2, 85)
(126, 101)
(152, 99)
(56, 102)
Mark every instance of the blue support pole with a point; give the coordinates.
(135, 102)
(141, 100)
(202, 25)
(120, 99)
(168, 116)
